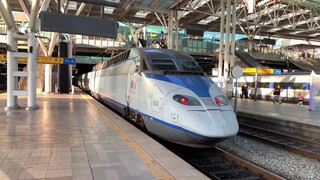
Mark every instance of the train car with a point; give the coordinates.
(291, 84)
(166, 92)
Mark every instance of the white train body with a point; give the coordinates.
(166, 92)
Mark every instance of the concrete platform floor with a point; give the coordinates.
(75, 137)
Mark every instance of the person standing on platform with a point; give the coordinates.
(300, 96)
(244, 91)
(155, 44)
(163, 45)
(276, 94)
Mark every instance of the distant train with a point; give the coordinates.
(165, 92)
(291, 84)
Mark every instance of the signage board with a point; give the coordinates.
(314, 103)
(249, 70)
(261, 71)
(69, 61)
(42, 59)
(265, 71)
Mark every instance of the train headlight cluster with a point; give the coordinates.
(221, 100)
(186, 100)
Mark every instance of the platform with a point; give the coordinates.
(75, 137)
(286, 117)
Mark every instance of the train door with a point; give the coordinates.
(133, 84)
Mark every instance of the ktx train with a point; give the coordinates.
(167, 93)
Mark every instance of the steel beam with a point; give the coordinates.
(34, 15)
(99, 2)
(6, 14)
(80, 8)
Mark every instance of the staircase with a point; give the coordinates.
(307, 64)
(248, 59)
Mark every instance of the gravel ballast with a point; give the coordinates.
(280, 162)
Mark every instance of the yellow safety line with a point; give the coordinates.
(153, 165)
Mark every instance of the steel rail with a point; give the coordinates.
(292, 144)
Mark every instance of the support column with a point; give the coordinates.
(222, 24)
(48, 78)
(12, 66)
(32, 72)
(176, 40)
(70, 48)
(227, 47)
(170, 30)
(233, 36)
(63, 70)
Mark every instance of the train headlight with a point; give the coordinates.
(186, 100)
(221, 100)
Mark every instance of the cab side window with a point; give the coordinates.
(144, 65)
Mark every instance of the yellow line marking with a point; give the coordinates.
(153, 165)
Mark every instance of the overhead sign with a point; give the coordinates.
(277, 71)
(249, 70)
(265, 71)
(69, 61)
(261, 71)
(49, 60)
(67, 23)
(45, 60)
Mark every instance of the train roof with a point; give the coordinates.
(162, 53)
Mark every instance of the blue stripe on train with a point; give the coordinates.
(156, 119)
(198, 84)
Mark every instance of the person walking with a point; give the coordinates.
(244, 91)
(276, 94)
(300, 96)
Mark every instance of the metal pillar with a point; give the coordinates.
(63, 69)
(12, 64)
(70, 48)
(34, 15)
(7, 15)
(222, 24)
(233, 46)
(48, 78)
(176, 39)
(48, 67)
(32, 72)
(32, 57)
(170, 30)
(227, 47)
(233, 36)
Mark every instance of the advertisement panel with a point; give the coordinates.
(314, 92)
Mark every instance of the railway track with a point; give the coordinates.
(219, 164)
(295, 145)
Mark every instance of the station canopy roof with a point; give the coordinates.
(296, 19)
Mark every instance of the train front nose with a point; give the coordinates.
(200, 125)
(210, 125)
(199, 119)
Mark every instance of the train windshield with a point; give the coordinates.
(190, 65)
(164, 64)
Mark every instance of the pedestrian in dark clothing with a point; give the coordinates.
(163, 45)
(244, 91)
(276, 94)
